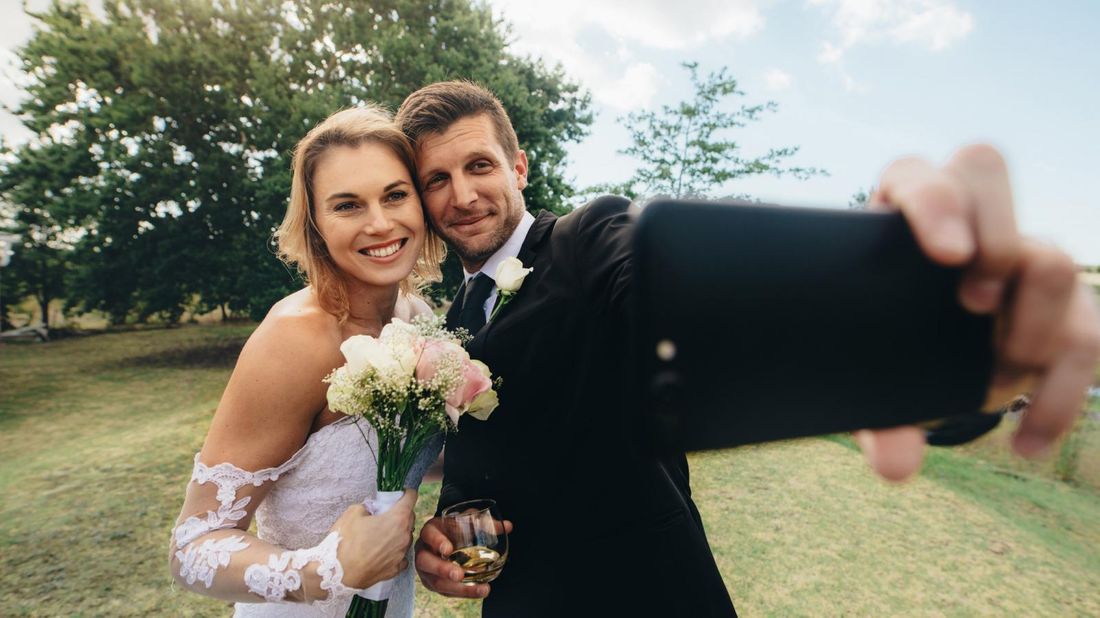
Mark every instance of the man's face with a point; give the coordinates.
(472, 188)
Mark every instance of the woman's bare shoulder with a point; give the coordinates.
(276, 389)
(299, 317)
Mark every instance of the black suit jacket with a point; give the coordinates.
(602, 526)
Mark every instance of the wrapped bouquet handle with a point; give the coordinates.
(378, 505)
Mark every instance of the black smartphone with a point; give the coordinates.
(758, 322)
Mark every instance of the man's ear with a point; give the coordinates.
(520, 168)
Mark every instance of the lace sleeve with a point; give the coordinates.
(214, 554)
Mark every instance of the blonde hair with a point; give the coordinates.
(300, 242)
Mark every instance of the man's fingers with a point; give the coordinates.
(432, 537)
(981, 172)
(1035, 332)
(896, 453)
(445, 577)
(431, 563)
(936, 207)
(1057, 400)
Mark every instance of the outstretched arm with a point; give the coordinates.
(1048, 335)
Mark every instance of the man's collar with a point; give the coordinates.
(509, 249)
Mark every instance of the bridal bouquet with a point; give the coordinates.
(410, 383)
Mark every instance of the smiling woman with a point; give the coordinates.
(371, 223)
(365, 157)
(275, 451)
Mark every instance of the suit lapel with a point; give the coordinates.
(544, 222)
(539, 232)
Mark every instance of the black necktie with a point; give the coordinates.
(472, 315)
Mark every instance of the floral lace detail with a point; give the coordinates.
(282, 573)
(199, 563)
(331, 571)
(335, 468)
(273, 580)
(227, 516)
(229, 479)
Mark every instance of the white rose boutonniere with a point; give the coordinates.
(509, 279)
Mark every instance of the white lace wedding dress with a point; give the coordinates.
(292, 553)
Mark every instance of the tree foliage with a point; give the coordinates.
(685, 150)
(166, 130)
(861, 199)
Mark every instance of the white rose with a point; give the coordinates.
(483, 405)
(405, 345)
(392, 363)
(363, 352)
(510, 275)
(481, 367)
(405, 359)
(398, 330)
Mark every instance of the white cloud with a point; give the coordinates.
(776, 79)
(937, 27)
(595, 40)
(932, 24)
(830, 53)
(649, 22)
(638, 83)
(851, 85)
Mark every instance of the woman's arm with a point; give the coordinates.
(262, 421)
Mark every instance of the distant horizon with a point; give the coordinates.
(858, 83)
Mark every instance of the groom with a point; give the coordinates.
(602, 526)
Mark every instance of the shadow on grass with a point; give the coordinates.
(208, 355)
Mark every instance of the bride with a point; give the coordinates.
(355, 228)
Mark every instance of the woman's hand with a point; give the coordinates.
(374, 548)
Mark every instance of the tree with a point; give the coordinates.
(43, 225)
(860, 199)
(186, 113)
(683, 148)
(12, 289)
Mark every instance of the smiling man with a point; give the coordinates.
(602, 526)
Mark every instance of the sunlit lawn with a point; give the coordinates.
(98, 434)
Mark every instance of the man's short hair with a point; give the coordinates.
(434, 108)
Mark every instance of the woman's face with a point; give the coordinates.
(368, 213)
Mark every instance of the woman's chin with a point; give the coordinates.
(381, 275)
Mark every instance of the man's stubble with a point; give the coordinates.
(476, 256)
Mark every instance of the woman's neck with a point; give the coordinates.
(371, 307)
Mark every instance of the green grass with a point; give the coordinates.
(97, 435)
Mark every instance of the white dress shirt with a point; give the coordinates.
(509, 249)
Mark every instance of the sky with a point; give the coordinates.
(858, 83)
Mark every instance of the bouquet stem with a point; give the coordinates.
(366, 608)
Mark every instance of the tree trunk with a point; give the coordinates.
(224, 316)
(44, 307)
(4, 323)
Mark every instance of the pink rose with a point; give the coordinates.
(433, 353)
(474, 380)
(474, 383)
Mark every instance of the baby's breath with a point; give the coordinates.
(404, 412)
